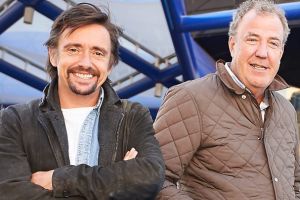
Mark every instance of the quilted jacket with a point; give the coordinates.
(216, 145)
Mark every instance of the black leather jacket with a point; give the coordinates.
(33, 138)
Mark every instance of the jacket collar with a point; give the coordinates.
(110, 122)
(277, 84)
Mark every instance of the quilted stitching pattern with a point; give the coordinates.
(178, 136)
(218, 133)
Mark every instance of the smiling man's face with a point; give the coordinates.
(256, 50)
(82, 59)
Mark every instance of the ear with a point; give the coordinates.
(52, 56)
(231, 45)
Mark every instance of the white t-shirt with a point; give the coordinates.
(74, 118)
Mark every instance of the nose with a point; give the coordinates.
(85, 60)
(262, 50)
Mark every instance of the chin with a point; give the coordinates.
(85, 91)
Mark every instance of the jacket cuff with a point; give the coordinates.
(62, 184)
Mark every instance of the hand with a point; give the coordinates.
(43, 179)
(130, 154)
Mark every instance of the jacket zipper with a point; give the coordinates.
(263, 140)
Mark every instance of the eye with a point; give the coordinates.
(274, 44)
(98, 53)
(73, 50)
(251, 40)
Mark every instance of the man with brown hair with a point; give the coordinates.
(229, 135)
(80, 140)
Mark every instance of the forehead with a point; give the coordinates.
(262, 23)
(93, 34)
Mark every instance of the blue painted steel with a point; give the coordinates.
(292, 10)
(21, 75)
(136, 88)
(204, 63)
(11, 15)
(147, 83)
(170, 72)
(148, 69)
(188, 54)
(221, 19)
(48, 9)
(138, 63)
(31, 3)
(205, 21)
(180, 40)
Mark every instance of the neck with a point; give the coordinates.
(259, 95)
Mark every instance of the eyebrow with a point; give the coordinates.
(80, 46)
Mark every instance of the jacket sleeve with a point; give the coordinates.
(177, 128)
(139, 178)
(297, 163)
(15, 172)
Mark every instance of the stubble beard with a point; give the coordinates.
(76, 89)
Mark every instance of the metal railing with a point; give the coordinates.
(27, 65)
(5, 5)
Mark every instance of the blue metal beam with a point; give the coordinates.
(167, 79)
(136, 88)
(169, 73)
(11, 15)
(21, 75)
(31, 3)
(180, 40)
(205, 21)
(148, 69)
(48, 9)
(138, 63)
(184, 43)
(292, 10)
(221, 19)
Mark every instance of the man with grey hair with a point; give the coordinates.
(229, 135)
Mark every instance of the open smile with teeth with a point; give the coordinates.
(84, 76)
(259, 67)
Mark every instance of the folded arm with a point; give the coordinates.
(139, 178)
(15, 173)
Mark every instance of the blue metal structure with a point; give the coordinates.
(215, 20)
(194, 61)
(154, 75)
(181, 24)
(19, 74)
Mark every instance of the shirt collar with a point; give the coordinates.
(234, 77)
(264, 104)
(100, 100)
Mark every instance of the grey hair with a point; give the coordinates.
(260, 6)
